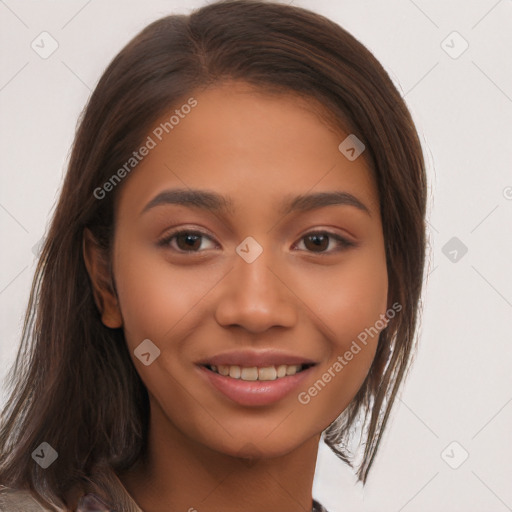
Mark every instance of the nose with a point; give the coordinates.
(256, 297)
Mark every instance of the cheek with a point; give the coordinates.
(352, 297)
(351, 302)
(155, 299)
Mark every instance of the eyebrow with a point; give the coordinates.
(212, 201)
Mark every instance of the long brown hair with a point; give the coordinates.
(73, 384)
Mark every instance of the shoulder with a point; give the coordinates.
(318, 507)
(18, 500)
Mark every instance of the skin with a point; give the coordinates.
(205, 451)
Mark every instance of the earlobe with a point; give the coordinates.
(97, 265)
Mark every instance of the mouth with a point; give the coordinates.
(258, 373)
(252, 386)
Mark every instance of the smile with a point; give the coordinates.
(252, 386)
(254, 373)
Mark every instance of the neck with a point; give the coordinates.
(178, 473)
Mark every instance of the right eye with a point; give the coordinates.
(186, 241)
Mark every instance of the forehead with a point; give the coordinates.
(251, 146)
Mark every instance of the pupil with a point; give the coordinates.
(317, 241)
(190, 240)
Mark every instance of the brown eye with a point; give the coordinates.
(188, 241)
(319, 242)
(316, 243)
(185, 241)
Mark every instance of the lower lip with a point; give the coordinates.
(254, 393)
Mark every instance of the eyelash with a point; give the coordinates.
(343, 243)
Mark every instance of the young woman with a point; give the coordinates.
(232, 272)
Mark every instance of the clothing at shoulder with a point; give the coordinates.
(105, 493)
(91, 503)
(17, 500)
(318, 507)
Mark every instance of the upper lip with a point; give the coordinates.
(259, 358)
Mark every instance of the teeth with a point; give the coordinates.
(292, 369)
(235, 372)
(223, 370)
(281, 371)
(252, 373)
(268, 373)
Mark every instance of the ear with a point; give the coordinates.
(98, 268)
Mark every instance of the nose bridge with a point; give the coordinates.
(255, 278)
(254, 295)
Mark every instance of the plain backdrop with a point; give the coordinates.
(457, 402)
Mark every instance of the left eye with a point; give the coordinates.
(319, 242)
(316, 242)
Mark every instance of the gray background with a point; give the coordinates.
(459, 389)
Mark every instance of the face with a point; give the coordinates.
(259, 277)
